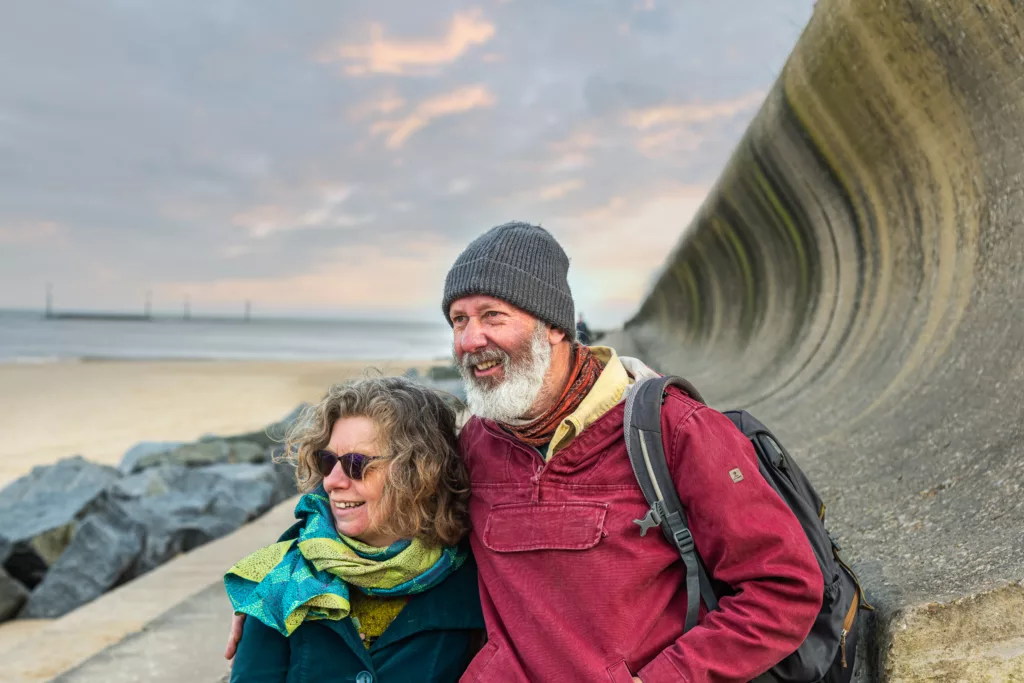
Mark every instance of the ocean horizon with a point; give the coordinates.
(31, 337)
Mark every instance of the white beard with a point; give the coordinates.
(518, 391)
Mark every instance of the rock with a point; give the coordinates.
(144, 449)
(247, 452)
(205, 452)
(38, 513)
(12, 595)
(152, 481)
(189, 454)
(439, 373)
(74, 476)
(178, 522)
(280, 477)
(104, 546)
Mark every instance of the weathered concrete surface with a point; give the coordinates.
(185, 644)
(856, 280)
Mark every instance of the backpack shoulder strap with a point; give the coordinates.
(642, 422)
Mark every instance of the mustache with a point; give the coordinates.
(471, 359)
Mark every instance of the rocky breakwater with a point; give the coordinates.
(73, 530)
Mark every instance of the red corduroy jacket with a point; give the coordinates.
(572, 592)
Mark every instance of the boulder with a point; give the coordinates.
(104, 546)
(152, 481)
(144, 449)
(205, 452)
(177, 522)
(280, 477)
(38, 513)
(12, 595)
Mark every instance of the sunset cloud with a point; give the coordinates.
(685, 114)
(380, 55)
(322, 211)
(447, 104)
(561, 189)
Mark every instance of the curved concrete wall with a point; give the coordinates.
(856, 279)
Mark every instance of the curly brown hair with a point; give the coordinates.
(426, 487)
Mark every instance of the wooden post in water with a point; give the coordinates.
(248, 309)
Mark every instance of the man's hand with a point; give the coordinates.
(236, 635)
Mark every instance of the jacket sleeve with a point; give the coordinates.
(749, 539)
(263, 655)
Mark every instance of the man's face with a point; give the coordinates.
(503, 354)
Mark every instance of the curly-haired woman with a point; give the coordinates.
(374, 583)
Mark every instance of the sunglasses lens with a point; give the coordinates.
(326, 462)
(353, 464)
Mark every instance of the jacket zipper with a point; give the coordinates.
(847, 625)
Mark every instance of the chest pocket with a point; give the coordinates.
(520, 527)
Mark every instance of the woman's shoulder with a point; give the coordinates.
(457, 598)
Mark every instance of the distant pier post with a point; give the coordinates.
(248, 310)
(188, 313)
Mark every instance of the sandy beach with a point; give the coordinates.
(99, 409)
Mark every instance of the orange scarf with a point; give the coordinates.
(585, 371)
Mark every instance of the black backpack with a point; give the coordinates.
(827, 654)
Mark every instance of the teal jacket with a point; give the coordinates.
(432, 640)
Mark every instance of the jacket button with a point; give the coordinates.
(364, 677)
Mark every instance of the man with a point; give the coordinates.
(583, 335)
(570, 589)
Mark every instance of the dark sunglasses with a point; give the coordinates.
(352, 464)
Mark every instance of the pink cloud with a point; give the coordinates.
(457, 101)
(684, 114)
(380, 55)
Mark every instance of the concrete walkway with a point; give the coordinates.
(168, 625)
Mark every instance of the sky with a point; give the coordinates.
(333, 158)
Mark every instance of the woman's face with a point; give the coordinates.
(354, 502)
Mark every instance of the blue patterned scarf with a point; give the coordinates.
(310, 577)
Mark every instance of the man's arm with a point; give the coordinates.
(748, 539)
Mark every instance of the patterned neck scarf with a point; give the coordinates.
(585, 370)
(310, 577)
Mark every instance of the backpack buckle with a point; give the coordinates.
(684, 540)
(651, 520)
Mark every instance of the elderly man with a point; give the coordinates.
(570, 589)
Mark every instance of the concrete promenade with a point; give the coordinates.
(168, 625)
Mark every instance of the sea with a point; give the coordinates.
(31, 337)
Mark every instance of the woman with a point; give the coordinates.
(374, 583)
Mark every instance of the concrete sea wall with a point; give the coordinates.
(856, 280)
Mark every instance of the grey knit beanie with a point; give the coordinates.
(518, 263)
